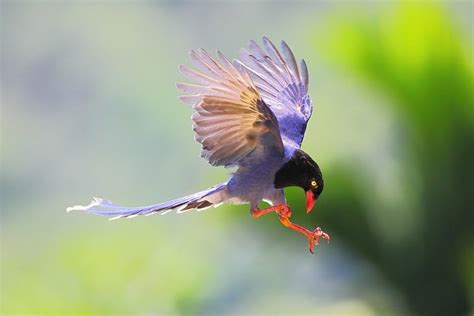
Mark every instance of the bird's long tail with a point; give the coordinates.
(200, 200)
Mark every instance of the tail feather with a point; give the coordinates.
(200, 200)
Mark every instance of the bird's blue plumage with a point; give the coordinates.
(107, 208)
(251, 113)
(283, 86)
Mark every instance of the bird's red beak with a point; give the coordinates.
(310, 201)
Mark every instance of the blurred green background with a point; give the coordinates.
(89, 108)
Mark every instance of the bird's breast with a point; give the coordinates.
(250, 183)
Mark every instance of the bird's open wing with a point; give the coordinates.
(282, 84)
(231, 120)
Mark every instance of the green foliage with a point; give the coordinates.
(415, 55)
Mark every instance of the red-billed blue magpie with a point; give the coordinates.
(251, 114)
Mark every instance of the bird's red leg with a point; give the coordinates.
(258, 212)
(312, 236)
(284, 214)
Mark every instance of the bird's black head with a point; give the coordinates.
(302, 171)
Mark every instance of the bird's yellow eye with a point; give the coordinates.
(314, 184)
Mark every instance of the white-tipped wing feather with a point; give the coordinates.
(231, 120)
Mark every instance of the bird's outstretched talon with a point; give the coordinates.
(322, 234)
(314, 237)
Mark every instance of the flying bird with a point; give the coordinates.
(250, 113)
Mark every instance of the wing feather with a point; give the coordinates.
(282, 84)
(201, 64)
(304, 75)
(290, 60)
(263, 80)
(230, 118)
(196, 76)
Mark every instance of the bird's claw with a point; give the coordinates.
(313, 238)
(322, 234)
(284, 213)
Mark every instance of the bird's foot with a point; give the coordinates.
(313, 238)
(284, 213)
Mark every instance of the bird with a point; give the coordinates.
(250, 113)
